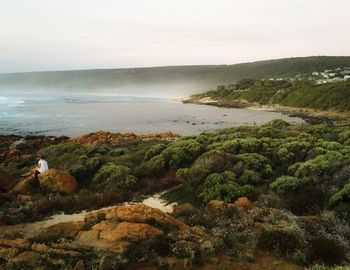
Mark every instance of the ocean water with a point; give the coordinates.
(77, 114)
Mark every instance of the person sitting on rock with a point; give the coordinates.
(40, 168)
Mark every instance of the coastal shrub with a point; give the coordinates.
(85, 169)
(281, 241)
(224, 187)
(63, 155)
(154, 151)
(285, 184)
(344, 136)
(181, 153)
(326, 249)
(240, 145)
(293, 151)
(256, 162)
(112, 176)
(322, 164)
(156, 166)
(324, 267)
(340, 196)
(215, 161)
(250, 177)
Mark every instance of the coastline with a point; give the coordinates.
(312, 116)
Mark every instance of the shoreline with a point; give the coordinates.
(312, 116)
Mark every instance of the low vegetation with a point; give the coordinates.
(300, 94)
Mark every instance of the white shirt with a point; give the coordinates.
(43, 166)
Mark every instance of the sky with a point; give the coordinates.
(38, 35)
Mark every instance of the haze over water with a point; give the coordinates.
(77, 114)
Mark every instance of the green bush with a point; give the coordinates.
(156, 166)
(182, 153)
(322, 164)
(239, 145)
(340, 196)
(111, 176)
(154, 151)
(285, 184)
(293, 151)
(256, 162)
(224, 187)
(250, 177)
(85, 168)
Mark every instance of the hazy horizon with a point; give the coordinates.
(78, 35)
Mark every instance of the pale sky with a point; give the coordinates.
(84, 34)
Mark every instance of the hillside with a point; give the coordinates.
(178, 80)
(328, 96)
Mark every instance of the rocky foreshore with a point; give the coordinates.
(242, 198)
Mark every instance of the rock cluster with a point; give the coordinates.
(109, 231)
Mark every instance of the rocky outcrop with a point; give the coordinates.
(244, 202)
(6, 181)
(108, 138)
(58, 181)
(140, 213)
(64, 229)
(23, 187)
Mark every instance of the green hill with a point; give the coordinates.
(306, 94)
(177, 80)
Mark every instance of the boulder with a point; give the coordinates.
(26, 259)
(215, 205)
(108, 262)
(20, 243)
(79, 265)
(40, 248)
(88, 236)
(244, 202)
(186, 209)
(139, 213)
(8, 253)
(24, 198)
(64, 229)
(6, 181)
(58, 181)
(133, 232)
(23, 187)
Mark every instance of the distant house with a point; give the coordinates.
(315, 73)
(346, 77)
(332, 74)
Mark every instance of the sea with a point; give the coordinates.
(75, 114)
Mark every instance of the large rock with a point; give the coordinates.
(20, 243)
(26, 259)
(8, 253)
(244, 202)
(58, 181)
(133, 232)
(139, 213)
(64, 229)
(23, 187)
(6, 181)
(215, 205)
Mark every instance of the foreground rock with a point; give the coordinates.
(6, 181)
(58, 181)
(140, 213)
